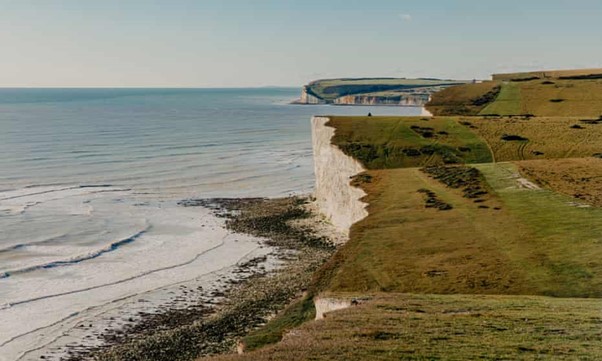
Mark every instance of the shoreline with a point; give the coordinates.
(260, 288)
(202, 253)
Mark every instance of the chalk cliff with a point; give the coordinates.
(325, 305)
(336, 198)
(307, 98)
(373, 91)
(404, 100)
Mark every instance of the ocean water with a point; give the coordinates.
(89, 185)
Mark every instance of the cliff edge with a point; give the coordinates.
(336, 198)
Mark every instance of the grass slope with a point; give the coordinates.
(452, 276)
(546, 138)
(544, 98)
(393, 142)
(447, 327)
(467, 99)
(535, 244)
(507, 101)
(561, 252)
(579, 178)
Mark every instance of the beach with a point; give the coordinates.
(72, 312)
(301, 241)
(94, 236)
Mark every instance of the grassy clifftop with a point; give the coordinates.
(393, 142)
(551, 74)
(462, 257)
(483, 239)
(392, 326)
(464, 224)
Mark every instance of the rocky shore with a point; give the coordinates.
(302, 240)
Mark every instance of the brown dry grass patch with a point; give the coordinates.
(547, 137)
(580, 178)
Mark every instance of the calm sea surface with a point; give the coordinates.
(89, 185)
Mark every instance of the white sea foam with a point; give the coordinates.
(182, 244)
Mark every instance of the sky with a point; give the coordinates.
(254, 43)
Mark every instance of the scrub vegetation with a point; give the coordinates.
(393, 142)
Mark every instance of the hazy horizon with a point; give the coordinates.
(286, 43)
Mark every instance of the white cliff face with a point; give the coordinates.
(425, 113)
(307, 98)
(406, 100)
(325, 305)
(336, 198)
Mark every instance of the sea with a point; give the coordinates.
(90, 180)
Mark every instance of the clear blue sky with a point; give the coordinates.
(224, 43)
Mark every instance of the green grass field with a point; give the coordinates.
(393, 142)
(466, 99)
(543, 98)
(545, 137)
(566, 239)
(395, 326)
(507, 101)
(536, 243)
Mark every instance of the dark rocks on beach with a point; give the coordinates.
(215, 323)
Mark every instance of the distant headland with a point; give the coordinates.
(373, 91)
